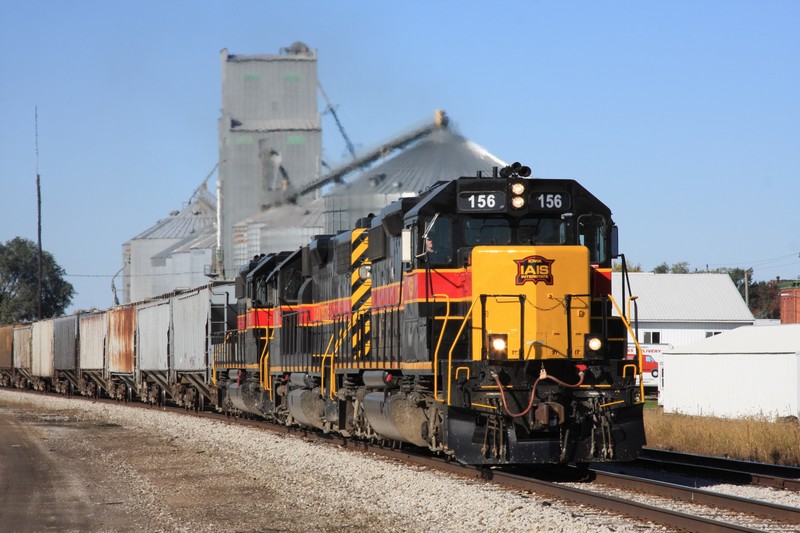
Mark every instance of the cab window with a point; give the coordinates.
(542, 231)
(591, 233)
(486, 231)
(436, 247)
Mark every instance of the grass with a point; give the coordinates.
(748, 439)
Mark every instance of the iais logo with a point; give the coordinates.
(534, 268)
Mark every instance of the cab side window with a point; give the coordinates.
(437, 246)
(591, 233)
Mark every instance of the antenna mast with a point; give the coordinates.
(39, 210)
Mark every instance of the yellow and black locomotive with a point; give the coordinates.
(474, 320)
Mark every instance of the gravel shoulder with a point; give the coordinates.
(149, 470)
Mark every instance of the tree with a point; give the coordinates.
(616, 266)
(19, 285)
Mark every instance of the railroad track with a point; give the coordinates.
(727, 513)
(730, 470)
(738, 514)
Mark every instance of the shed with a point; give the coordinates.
(751, 371)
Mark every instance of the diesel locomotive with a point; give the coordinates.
(475, 320)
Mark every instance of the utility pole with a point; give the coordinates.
(39, 211)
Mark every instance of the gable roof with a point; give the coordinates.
(699, 297)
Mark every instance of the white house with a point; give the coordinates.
(676, 309)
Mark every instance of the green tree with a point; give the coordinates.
(678, 268)
(19, 285)
(765, 301)
(616, 266)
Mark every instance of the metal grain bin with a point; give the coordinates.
(93, 328)
(6, 346)
(121, 339)
(22, 346)
(153, 325)
(65, 342)
(42, 363)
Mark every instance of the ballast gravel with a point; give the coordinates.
(168, 472)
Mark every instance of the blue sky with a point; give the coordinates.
(683, 116)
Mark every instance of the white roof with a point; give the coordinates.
(699, 297)
(780, 339)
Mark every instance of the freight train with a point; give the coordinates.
(475, 320)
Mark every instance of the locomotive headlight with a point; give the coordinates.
(517, 188)
(594, 343)
(594, 346)
(498, 346)
(517, 202)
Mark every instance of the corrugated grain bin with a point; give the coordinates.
(65, 341)
(152, 323)
(42, 349)
(92, 338)
(193, 322)
(121, 338)
(22, 346)
(747, 372)
(6, 346)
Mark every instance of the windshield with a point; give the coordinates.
(487, 231)
(542, 231)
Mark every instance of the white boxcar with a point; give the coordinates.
(92, 340)
(196, 314)
(153, 335)
(42, 349)
(752, 371)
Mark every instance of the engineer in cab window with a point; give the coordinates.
(437, 246)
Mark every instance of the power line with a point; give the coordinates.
(66, 275)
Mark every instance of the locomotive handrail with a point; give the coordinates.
(439, 344)
(327, 354)
(635, 342)
(263, 360)
(453, 347)
(216, 353)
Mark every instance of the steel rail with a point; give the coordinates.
(724, 501)
(746, 472)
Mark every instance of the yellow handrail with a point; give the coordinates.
(438, 345)
(635, 342)
(453, 347)
(263, 362)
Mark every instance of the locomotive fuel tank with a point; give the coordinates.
(395, 415)
(246, 396)
(307, 407)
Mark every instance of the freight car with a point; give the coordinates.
(474, 320)
(155, 351)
